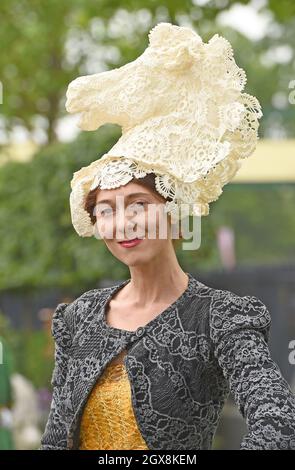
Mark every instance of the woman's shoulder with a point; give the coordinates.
(68, 316)
(230, 312)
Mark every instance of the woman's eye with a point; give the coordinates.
(107, 211)
(138, 203)
(104, 212)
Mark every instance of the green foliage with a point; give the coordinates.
(9, 339)
(39, 245)
(35, 72)
(31, 358)
(205, 254)
(25, 352)
(262, 217)
(38, 67)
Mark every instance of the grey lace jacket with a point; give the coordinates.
(182, 365)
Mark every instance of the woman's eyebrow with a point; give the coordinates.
(129, 196)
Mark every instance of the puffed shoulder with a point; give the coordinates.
(230, 312)
(68, 317)
(59, 328)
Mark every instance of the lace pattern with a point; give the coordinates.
(181, 369)
(108, 421)
(183, 116)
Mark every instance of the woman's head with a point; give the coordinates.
(134, 210)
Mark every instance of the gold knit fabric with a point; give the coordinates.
(108, 421)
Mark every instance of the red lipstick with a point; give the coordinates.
(131, 243)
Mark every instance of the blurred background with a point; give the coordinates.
(247, 240)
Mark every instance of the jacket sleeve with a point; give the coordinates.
(55, 433)
(240, 330)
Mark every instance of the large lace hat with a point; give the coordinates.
(183, 117)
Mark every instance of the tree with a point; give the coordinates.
(51, 43)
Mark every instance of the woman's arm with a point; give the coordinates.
(239, 330)
(55, 434)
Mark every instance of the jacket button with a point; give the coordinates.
(139, 331)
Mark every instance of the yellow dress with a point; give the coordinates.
(108, 420)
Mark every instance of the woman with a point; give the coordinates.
(149, 363)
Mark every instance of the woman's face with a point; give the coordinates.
(129, 212)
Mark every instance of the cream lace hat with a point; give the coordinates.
(183, 117)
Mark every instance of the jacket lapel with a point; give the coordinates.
(97, 345)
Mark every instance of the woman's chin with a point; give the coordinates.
(133, 257)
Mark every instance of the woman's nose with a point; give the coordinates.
(125, 226)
